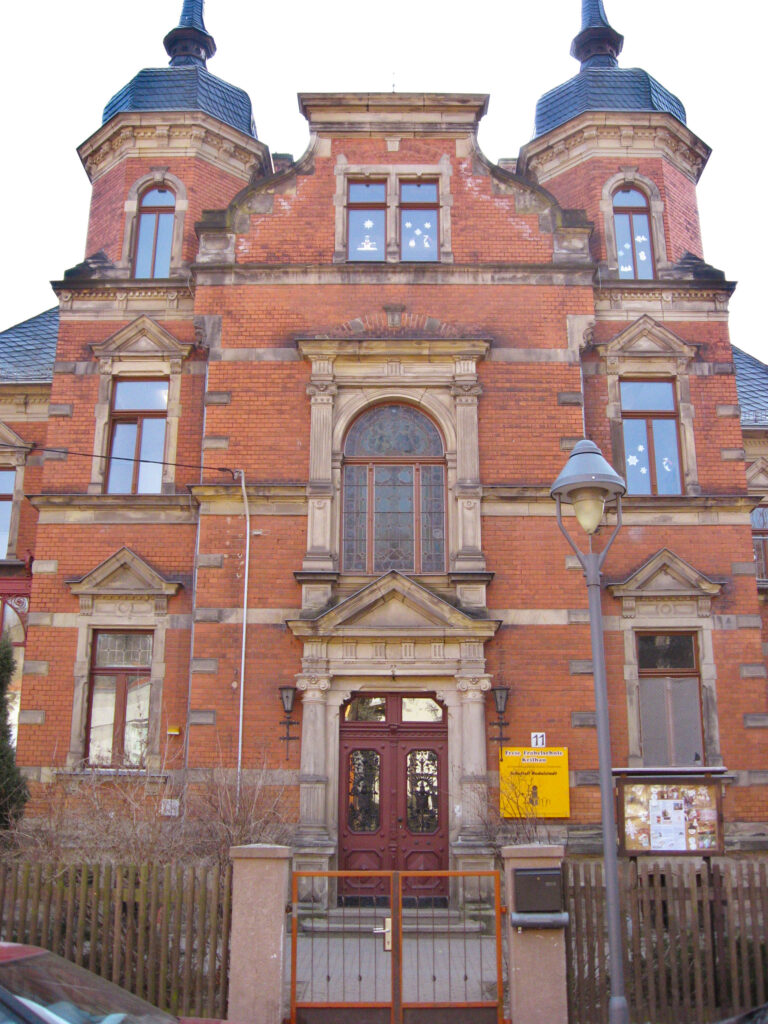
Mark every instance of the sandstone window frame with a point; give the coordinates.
(123, 594)
(646, 350)
(161, 178)
(439, 377)
(668, 595)
(143, 350)
(393, 176)
(630, 178)
(13, 456)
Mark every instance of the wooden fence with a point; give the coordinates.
(158, 930)
(695, 940)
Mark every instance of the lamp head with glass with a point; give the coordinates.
(587, 482)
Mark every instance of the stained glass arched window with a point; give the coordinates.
(393, 493)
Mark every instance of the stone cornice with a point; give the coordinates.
(383, 113)
(21, 402)
(108, 300)
(170, 134)
(559, 275)
(377, 348)
(114, 508)
(534, 494)
(622, 134)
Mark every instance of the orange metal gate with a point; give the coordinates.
(384, 957)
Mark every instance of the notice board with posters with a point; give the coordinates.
(670, 816)
(533, 782)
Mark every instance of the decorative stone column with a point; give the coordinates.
(320, 489)
(465, 392)
(472, 851)
(314, 846)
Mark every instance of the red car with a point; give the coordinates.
(37, 987)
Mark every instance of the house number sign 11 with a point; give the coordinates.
(538, 739)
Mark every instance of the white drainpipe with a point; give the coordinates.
(241, 474)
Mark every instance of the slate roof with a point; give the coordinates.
(752, 388)
(605, 88)
(601, 84)
(189, 87)
(28, 349)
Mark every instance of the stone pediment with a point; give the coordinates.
(666, 577)
(15, 450)
(646, 339)
(757, 475)
(143, 338)
(394, 605)
(124, 575)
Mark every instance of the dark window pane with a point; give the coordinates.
(363, 787)
(418, 235)
(163, 245)
(660, 651)
(367, 235)
(120, 480)
(145, 245)
(636, 458)
(414, 192)
(393, 430)
(667, 457)
(393, 540)
(152, 447)
(158, 197)
(623, 229)
(432, 519)
(421, 791)
(653, 722)
(421, 709)
(629, 197)
(371, 192)
(151, 395)
(685, 716)
(366, 709)
(647, 396)
(5, 527)
(355, 517)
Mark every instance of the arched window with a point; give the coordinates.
(155, 233)
(393, 493)
(632, 225)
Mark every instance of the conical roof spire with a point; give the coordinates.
(597, 45)
(189, 42)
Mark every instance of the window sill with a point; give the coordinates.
(673, 771)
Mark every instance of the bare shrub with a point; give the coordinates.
(98, 816)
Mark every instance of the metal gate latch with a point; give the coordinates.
(386, 931)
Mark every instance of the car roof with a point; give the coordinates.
(15, 951)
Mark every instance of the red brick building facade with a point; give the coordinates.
(300, 431)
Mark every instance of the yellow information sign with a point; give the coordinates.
(533, 782)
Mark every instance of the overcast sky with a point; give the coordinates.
(64, 59)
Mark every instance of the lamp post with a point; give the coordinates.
(587, 482)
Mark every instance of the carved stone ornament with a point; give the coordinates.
(124, 576)
(309, 684)
(668, 584)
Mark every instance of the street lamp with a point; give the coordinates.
(587, 482)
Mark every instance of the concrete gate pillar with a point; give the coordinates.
(260, 894)
(538, 990)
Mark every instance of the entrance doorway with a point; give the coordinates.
(393, 799)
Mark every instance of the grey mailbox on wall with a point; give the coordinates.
(538, 890)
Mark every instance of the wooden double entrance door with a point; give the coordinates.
(393, 798)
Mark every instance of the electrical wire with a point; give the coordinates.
(115, 458)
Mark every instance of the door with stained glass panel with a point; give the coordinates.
(393, 797)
